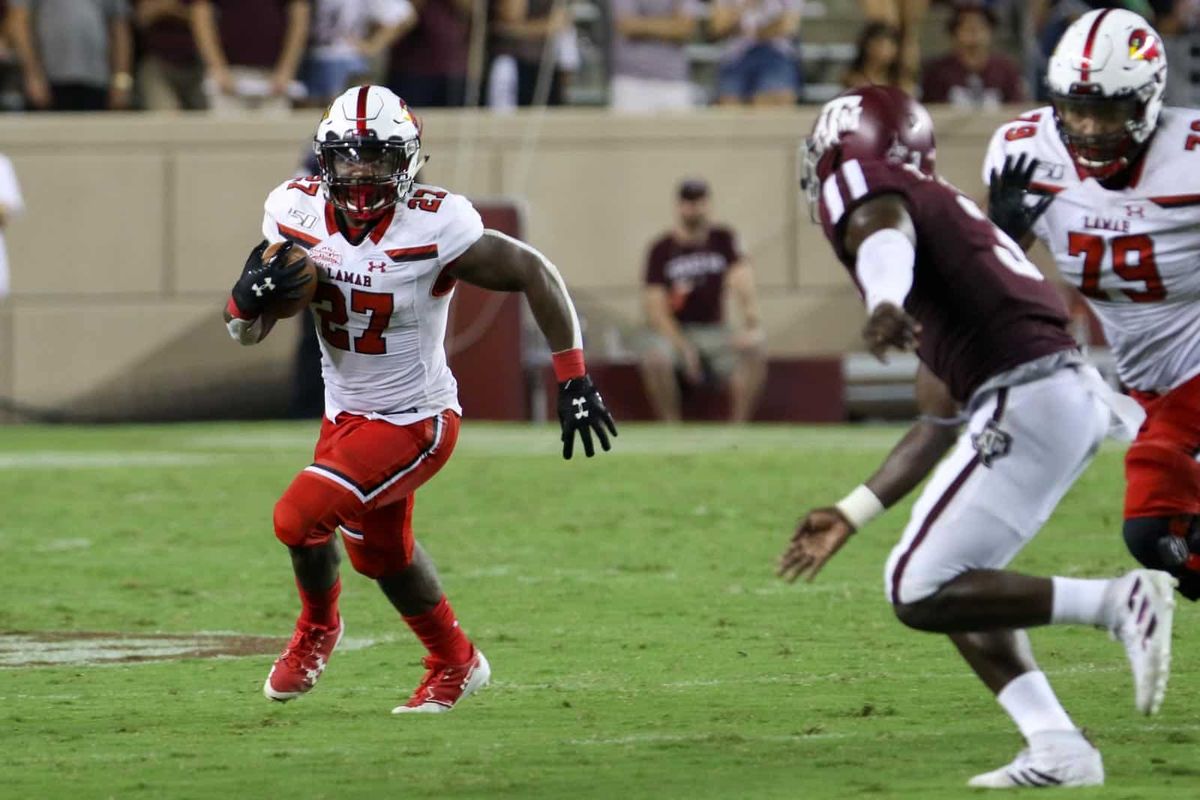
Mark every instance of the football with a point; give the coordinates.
(283, 307)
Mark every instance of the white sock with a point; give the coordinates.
(1080, 601)
(1031, 703)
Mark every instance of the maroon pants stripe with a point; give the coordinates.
(940, 506)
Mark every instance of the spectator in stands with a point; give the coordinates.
(899, 14)
(649, 64)
(11, 205)
(877, 60)
(251, 50)
(524, 41)
(971, 75)
(905, 17)
(169, 74)
(76, 55)
(759, 63)
(346, 36)
(10, 69)
(688, 272)
(428, 66)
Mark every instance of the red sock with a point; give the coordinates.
(320, 608)
(438, 630)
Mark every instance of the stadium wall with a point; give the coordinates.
(136, 225)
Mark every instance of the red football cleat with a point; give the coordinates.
(445, 684)
(302, 661)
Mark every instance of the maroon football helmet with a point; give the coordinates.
(868, 124)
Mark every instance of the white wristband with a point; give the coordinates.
(860, 506)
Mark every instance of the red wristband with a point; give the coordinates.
(568, 364)
(236, 312)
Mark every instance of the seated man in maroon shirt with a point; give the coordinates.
(688, 272)
(971, 75)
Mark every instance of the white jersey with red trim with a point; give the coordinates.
(1133, 252)
(382, 305)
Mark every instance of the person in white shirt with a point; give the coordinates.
(346, 35)
(11, 204)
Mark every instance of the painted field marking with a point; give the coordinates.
(65, 648)
(106, 459)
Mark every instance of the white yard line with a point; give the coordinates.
(101, 459)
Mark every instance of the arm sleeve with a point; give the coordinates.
(884, 267)
(462, 228)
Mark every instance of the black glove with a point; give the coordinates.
(1006, 197)
(580, 408)
(263, 282)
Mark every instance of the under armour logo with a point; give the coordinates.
(376, 266)
(267, 285)
(580, 411)
(991, 443)
(1135, 211)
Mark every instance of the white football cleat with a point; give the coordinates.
(1053, 760)
(1143, 610)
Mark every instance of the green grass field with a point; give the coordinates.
(640, 644)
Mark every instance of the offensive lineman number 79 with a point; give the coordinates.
(1132, 260)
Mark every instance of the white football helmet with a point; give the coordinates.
(1110, 66)
(368, 146)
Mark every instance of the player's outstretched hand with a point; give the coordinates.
(580, 408)
(818, 536)
(1007, 189)
(891, 327)
(264, 281)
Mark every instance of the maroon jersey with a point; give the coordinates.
(252, 31)
(983, 307)
(947, 80)
(694, 275)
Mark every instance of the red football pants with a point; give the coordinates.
(1162, 476)
(361, 482)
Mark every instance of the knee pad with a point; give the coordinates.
(1171, 544)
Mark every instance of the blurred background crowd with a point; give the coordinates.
(724, 305)
(632, 55)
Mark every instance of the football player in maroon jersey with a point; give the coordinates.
(996, 360)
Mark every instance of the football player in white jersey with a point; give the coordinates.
(388, 251)
(1106, 178)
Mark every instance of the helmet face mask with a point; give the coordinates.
(363, 177)
(1097, 130)
(810, 184)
